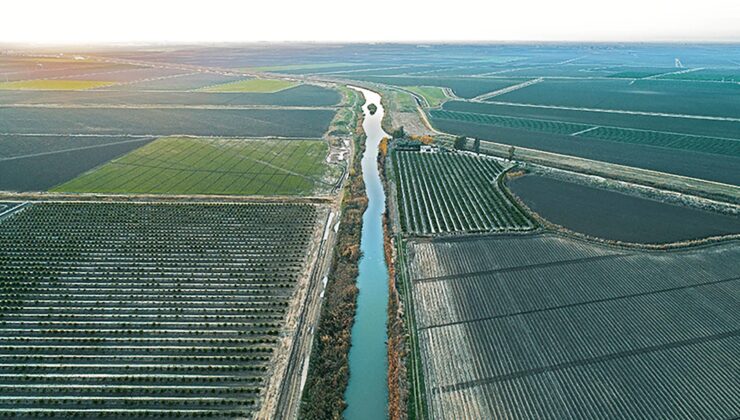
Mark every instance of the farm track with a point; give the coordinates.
(157, 198)
(288, 401)
(168, 106)
(489, 95)
(617, 111)
(97, 146)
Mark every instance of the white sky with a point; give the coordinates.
(104, 21)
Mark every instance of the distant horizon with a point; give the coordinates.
(85, 22)
(420, 42)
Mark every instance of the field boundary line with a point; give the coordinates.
(483, 97)
(215, 199)
(682, 71)
(585, 131)
(2, 159)
(674, 133)
(170, 106)
(615, 111)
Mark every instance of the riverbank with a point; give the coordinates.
(328, 374)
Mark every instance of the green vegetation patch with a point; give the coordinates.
(253, 86)
(194, 165)
(53, 84)
(435, 96)
(443, 192)
(399, 101)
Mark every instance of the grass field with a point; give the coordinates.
(53, 84)
(435, 96)
(252, 85)
(187, 165)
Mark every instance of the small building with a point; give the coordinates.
(427, 148)
(407, 146)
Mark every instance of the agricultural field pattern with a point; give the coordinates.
(362, 231)
(454, 193)
(152, 306)
(170, 274)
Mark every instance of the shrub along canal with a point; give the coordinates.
(367, 391)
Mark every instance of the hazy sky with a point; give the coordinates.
(87, 21)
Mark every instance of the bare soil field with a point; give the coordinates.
(566, 325)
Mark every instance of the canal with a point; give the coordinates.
(367, 391)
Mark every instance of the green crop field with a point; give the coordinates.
(435, 96)
(53, 84)
(188, 165)
(252, 85)
(446, 192)
(121, 310)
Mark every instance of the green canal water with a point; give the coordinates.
(367, 392)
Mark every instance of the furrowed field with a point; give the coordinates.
(186, 165)
(167, 121)
(140, 310)
(700, 149)
(566, 326)
(449, 192)
(52, 130)
(629, 105)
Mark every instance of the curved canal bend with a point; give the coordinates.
(367, 391)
